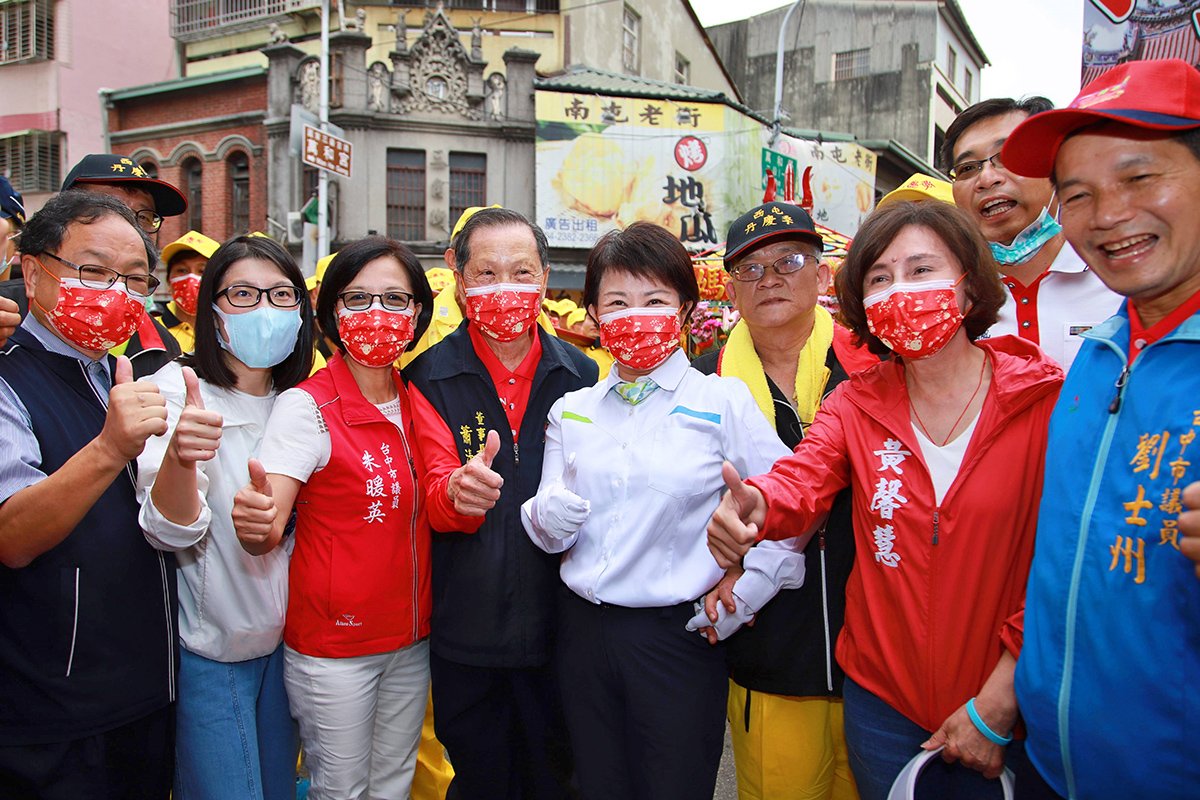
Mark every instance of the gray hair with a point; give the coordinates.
(496, 218)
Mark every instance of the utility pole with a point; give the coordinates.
(323, 116)
(777, 120)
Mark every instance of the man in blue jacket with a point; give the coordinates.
(1105, 679)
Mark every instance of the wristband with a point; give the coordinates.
(982, 726)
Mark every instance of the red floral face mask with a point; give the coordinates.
(185, 291)
(641, 338)
(94, 319)
(375, 337)
(915, 319)
(504, 311)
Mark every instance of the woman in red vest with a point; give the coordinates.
(337, 451)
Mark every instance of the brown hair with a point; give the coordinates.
(960, 235)
(647, 251)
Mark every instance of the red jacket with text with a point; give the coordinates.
(936, 590)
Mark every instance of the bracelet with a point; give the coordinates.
(982, 726)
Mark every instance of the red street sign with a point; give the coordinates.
(326, 151)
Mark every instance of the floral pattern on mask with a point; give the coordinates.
(185, 291)
(375, 337)
(915, 320)
(95, 319)
(504, 311)
(641, 338)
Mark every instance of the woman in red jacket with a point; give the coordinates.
(944, 448)
(338, 450)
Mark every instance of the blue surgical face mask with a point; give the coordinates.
(1028, 242)
(260, 338)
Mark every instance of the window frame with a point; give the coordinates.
(631, 41)
(406, 221)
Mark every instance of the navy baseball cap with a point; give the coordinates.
(769, 222)
(11, 204)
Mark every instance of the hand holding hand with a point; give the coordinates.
(723, 613)
(557, 510)
(254, 510)
(474, 487)
(136, 411)
(734, 526)
(198, 434)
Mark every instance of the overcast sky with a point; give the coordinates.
(1033, 45)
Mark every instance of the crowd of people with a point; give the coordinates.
(445, 537)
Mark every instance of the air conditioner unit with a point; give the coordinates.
(295, 226)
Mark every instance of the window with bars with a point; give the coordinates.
(851, 64)
(406, 194)
(683, 69)
(631, 33)
(193, 182)
(32, 160)
(26, 30)
(239, 194)
(468, 182)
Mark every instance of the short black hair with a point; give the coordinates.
(986, 109)
(209, 357)
(45, 231)
(496, 218)
(350, 261)
(648, 251)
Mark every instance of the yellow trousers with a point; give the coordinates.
(795, 748)
(433, 773)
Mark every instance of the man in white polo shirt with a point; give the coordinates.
(1053, 296)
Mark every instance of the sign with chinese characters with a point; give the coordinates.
(326, 151)
(606, 162)
(1117, 31)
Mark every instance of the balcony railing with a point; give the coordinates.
(200, 19)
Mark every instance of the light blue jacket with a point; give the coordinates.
(1109, 675)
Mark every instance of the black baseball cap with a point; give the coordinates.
(766, 223)
(114, 169)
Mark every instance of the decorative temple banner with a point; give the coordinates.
(606, 162)
(1117, 31)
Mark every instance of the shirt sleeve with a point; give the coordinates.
(801, 487)
(770, 568)
(436, 445)
(1012, 632)
(21, 456)
(160, 532)
(552, 469)
(296, 442)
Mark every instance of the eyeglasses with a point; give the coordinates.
(241, 295)
(361, 301)
(967, 170)
(792, 262)
(149, 221)
(95, 276)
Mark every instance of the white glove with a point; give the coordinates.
(727, 624)
(557, 511)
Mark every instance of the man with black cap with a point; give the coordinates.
(785, 709)
(12, 219)
(1105, 678)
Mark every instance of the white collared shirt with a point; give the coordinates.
(1070, 299)
(652, 474)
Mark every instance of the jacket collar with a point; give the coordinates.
(356, 409)
(455, 355)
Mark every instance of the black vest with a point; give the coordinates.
(494, 592)
(87, 630)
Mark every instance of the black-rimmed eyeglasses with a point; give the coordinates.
(966, 170)
(241, 295)
(95, 276)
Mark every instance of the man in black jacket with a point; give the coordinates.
(785, 709)
(480, 398)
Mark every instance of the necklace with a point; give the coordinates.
(963, 413)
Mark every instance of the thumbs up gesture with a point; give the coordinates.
(136, 411)
(474, 487)
(557, 510)
(734, 526)
(198, 433)
(254, 510)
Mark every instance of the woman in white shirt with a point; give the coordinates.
(234, 734)
(632, 470)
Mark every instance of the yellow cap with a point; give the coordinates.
(466, 215)
(259, 234)
(192, 240)
(439, 278)
(920, 187)
(576, 316)
(312, 281)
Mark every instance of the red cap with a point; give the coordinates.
(1155, 95)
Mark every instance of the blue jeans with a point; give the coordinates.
(881, 741)
(234, 735)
